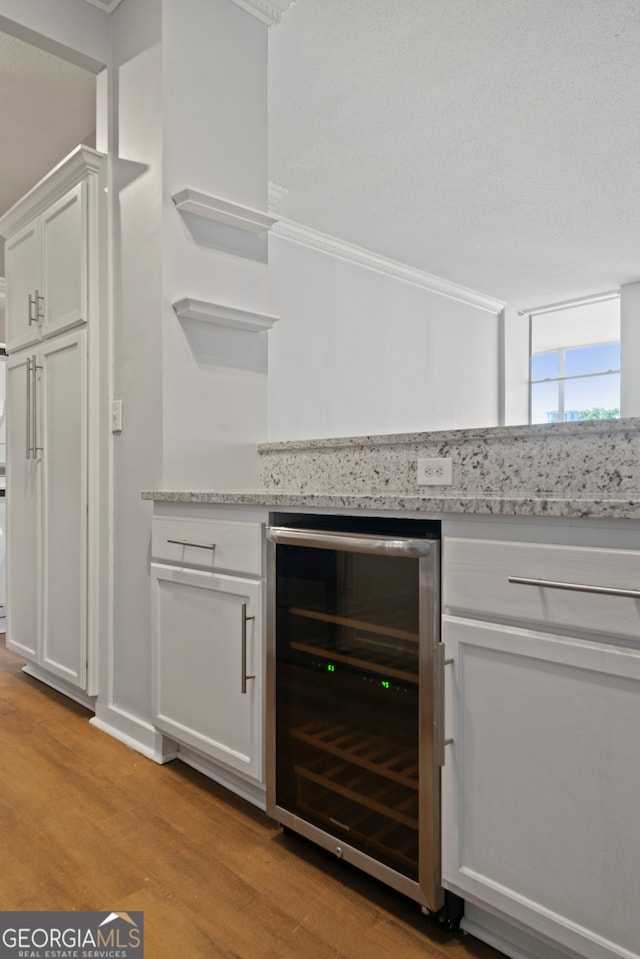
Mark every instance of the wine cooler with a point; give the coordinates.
(355, 692)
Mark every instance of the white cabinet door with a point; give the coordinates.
(47, 272)
(64, 262)
(22, 267)
(62, 436)
(541, 783)
(23, 517)
(47, 519)
(207, 664)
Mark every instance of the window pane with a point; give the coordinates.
(592, 359)
(544, 403)
(595, 395)
(544, 365)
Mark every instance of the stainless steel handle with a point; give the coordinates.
(28, 408)
(440, 663)
(575, 587)
(34, 407)
(243, 666)
(389, 546)
(34, 308)
(39, 316)
(185, 542)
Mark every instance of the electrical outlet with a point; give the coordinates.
(435, 472)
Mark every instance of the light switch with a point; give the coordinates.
(116, 416)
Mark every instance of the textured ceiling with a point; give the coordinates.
(492, 142)
(495, 143)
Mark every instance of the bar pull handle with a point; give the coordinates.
(185, 542)
(243, 667)
(35, 316)
(441, 663)
(28, 407)
(34, 406)
(575, 587)
(38, 298)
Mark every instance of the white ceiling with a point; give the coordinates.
(495, 143)
(492, 142)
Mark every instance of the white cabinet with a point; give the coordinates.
(50, 251)
(207, 638)
(208, 673)
(56, 422)
(542, 776)
(47, 523)
(23, 519)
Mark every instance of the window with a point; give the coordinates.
(575, 362)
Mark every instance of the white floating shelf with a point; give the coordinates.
(224, 211)
(224, 315)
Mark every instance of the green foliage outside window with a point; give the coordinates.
(599, 413)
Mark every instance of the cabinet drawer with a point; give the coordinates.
(208, 544)
(478, 578)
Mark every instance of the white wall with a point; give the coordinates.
(630, 349)
(357, 351)
(514, 367)
(136, 191)
(214, 141)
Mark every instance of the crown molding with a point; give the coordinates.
(223, 315)
(72, 170)
(269, 11)
(107, 5)
(305, 235)
(276, 194)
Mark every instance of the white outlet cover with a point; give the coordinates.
(435, 471)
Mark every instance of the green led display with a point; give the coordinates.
(385, 684)
(331, 668)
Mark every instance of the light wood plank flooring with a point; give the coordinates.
(87, 823)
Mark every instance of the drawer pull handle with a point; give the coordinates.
(576, 587)
(243, 665)
(185, 542)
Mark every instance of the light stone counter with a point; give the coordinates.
(585, 470)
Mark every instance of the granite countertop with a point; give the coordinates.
(433, 505)
(571, 470)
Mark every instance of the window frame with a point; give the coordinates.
(561, 379)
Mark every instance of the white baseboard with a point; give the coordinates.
(32, 669)
(134, 732)
(254, 793)
(511, 940)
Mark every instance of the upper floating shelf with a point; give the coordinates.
(224, 315)
(223, 211)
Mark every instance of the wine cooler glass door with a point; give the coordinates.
(355, 699)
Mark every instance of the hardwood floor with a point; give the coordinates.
(88, 823)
